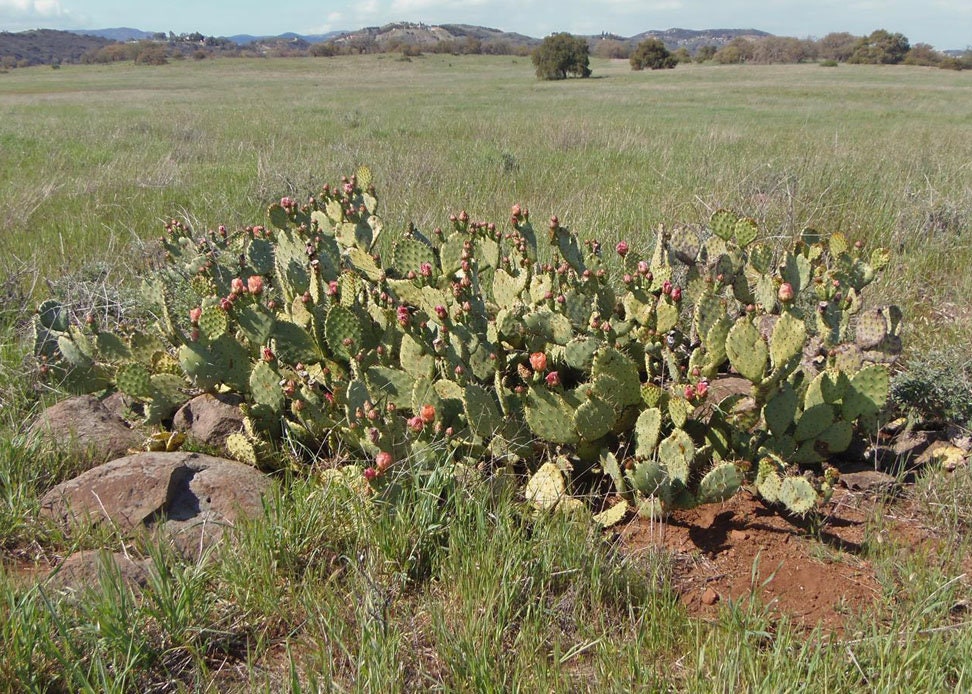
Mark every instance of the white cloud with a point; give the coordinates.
(24, 14)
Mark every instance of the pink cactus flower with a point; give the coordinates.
(254, 284)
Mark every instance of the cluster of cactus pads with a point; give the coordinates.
(669, 378)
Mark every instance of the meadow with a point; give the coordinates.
(464, 593)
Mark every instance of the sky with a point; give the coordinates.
(945, 24)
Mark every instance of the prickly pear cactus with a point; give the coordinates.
(482, 343)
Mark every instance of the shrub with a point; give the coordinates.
(561, 56)
(652, 54)
(933, 390)
(828, 63)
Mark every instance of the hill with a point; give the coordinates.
(692, 39)
(118, 33)
(46, 46)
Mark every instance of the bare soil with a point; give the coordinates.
(741, 550)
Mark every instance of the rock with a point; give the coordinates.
(709, 596)
(83, 569)
(867, 481)
(189, 497)
(83, 423)
(210, 418)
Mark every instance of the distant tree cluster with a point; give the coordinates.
(652, 54)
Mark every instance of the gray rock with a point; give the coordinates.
(83, 424)
(867, 481)
(189, 497)
(210, 418)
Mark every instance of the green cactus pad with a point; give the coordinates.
(291, 265)
(761, 258)
(213, 322)
(265, 387)
(259, 253)
(813, 422)
(293, 344)
(789, 336)
(134, 380)
(223, 361)
(75, 351)
(868, 392)
(768, 480)
(719, 484)
(684, 245)
(871, 328)
(709, 310)
(745, 230)
(797, 494)
(723, 223)
(256, 322)
(390, 385)
(549, 416)
(647, 432)
(594, 418)
(649, 479)
(611, 467)
(837, 438)
(796, 271)
(676, 453)
(548, 326)
(579, 352)
(826, 387)
(508, 288)
(570, 251)
(747, 351)
(765, 293)
(481, 410)
(679, 410)
(53, 316)
(616, 378)
(409, 254)
(780, 411)
(342, 325)
(666, 315)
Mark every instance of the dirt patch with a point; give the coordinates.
(741, 550)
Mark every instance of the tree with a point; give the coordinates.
(881, 48)
(739, 50)
(560, 56)
(705, 53)
(923, 54)
(837, 46)
(651, 53)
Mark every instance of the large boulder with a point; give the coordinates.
(84, 569)
(85, 425)
(189, 497)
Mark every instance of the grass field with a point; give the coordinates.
(467, 594)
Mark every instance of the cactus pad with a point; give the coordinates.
(788, 338)
(616, 378)
(594, 418)
(719, 484)
(722, 223)
(343, 332)
(797, 494)
(747, 351)
(647, 431)
(745, 230)
(134, 380)
(677, 453)
(482, 412)
(549, 416)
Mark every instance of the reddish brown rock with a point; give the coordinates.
(189, 497)
(210, 418)
(84, 569)
(84, 424)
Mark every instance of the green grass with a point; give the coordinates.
(459, 589)
(96, 157)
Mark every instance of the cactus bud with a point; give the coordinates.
(298, 405)
(237, 286)
(254, 284)
(194, 315)
(225, 304)
(383, 461)
(785, 293)
(538, 360)
(370, 473)
(701, 388)
(622, 249)
(667, 288)
(268, 355)
(689, 392)
(642, 267)
(441, 312)
(553, 379)
(427, 413)
(677, 294)
(416, 424)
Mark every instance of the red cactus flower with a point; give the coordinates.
(416, 424)
(427, 413)
(255, 284)
(237, 286)
(690, 392)
(370, 473)
(553, 379)
(701, 388)
(194, 315)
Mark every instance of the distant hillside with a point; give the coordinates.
(243, 39)
(692, 39)
(118, 33)
(46, 47)
(432, 37)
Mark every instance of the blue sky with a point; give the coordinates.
(942, 23)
